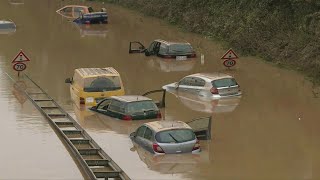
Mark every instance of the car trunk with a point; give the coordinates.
(226, 91)
(174, 148)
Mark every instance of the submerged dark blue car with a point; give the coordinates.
(92, 18)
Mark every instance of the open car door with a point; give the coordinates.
(201, 127)
(160, 103)
(136, 47)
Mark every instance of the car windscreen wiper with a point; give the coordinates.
(173, 138)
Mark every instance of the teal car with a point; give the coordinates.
(129, 107)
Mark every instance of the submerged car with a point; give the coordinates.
(209, 85)
(172, 137)
(88, 86)
(84, 14)
(164, 49)
(7, 27)
(128, 107)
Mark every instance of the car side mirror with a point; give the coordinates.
(68, 80)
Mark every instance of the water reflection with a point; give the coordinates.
(96, 30)
(171, 65)
(169, 163)
(206, 105)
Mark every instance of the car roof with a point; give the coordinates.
(210, 76)
(131, 98)
(75, 6)
(93, 72)
(167, 125)
(171, 42)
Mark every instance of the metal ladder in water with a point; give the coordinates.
(95, 163)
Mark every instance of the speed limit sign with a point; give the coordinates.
(229, 62)
(19, 66)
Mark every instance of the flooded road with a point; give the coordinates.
(270, 133)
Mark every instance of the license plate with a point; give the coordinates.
(89, 100)
(181, 58)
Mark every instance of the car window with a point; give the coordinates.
(151, 47)
(141, 106)
(197, 82)
(102, 84)
(148, 134)
(67, 10)
(140, 131)
(78, 11)
(175, 136)
(103, 106)
(226, 82)
(90, 9)
(163, 49)
(180, 48)
(187, 81)
(117, 106)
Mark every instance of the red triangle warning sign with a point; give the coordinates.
(230, 54)
(21, 57)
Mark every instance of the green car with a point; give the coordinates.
(129, 107)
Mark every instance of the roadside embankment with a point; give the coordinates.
(285, 32)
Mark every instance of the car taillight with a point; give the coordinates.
(87, 22)
(127, 118)
(159, 115)
(82, 101)
(193, 55)
(196, 146)
(157, 148)
(214, 90)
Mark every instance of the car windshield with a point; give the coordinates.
(175, 136)
(141, 106)
(226, 82)
(180, 48)
(101, 84)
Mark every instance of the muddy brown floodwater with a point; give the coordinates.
(272, 132)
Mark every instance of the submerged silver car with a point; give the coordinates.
(166, 137)
(212, 85)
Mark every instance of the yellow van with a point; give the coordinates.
(90, 85)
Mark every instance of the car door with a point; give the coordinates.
(116, 109)
(103, 106)
(136, 47)
(138, 137)
(196, 85)
(185, 84)
(148, 139)
(201, 127)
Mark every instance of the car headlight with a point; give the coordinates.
(89, 100)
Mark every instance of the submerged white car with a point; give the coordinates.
(209, 85)
(7, 27)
